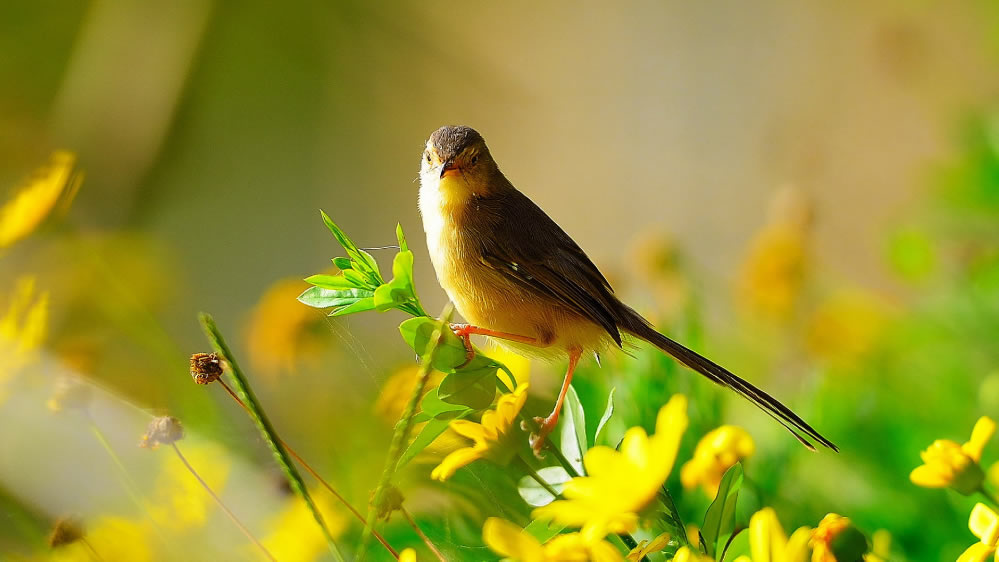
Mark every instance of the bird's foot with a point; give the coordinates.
(465, 331)
(545, 427)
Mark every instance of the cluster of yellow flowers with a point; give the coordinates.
(950, 465)
(621, 485)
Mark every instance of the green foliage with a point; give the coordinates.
(719, 521)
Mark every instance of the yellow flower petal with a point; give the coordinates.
(507, 539)
(928, 477)
(490, 435)
(620, 484)
(984, 523)
(453, 462)
(21, 215)
(977, 552)
(469, 429)
(687, 554)
(984, 429)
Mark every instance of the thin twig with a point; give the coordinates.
(426, 540)
(405, 423)
(319, 478)
(218, 500)
(267, 430)
(93, 551)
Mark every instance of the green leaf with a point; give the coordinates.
(318, 297)
(573, 427)
(342, 264)
(358, 279)
(430, 431)
(417, 333)
(608, 412)
(331, 282)
(362, 305)
(475, 389)
(399, 290)
(543, 530)
(719, 521)
(403, 247)
(371, 266)
(362, 259)
(534, 493)
(433, 406)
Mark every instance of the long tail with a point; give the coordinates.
(638, 326)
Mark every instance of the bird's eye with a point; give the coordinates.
(474, 160)
(427, 156)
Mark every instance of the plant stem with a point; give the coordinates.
(93, 551)
(319, 478)
(537, 477)
(405, 423)
(426, 540)
(267, 430)
(218, 500)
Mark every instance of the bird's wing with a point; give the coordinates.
(526, 246)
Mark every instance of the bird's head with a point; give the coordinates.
(457, 162)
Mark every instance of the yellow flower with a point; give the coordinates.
(846, 325)
(646, 547)
(279, 337)
(22, 214)
(772, 274)
(837, 539)
(880, 547)
(768, 543)
(687, 554)
(715, 453)
(948, 464)
(984, 523)
(407, 555)
(519, 365)
(491, 437)
(294, 535)
(511, 541)
(178, 500)
(621, 483)
(395, 393)
(22, 329)
(111, 538)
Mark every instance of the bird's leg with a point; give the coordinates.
(548, 424)
(466, 331)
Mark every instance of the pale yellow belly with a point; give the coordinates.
(485, 298)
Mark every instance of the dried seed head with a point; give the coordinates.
(67, 530)
(163, 430)
(206, 368)
(70, 393)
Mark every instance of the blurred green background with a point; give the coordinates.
(708, 156)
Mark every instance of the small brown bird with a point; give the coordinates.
(517, 277)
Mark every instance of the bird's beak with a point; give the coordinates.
(449, 166)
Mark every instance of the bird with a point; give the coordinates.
(515, 276)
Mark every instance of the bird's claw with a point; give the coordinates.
(545, 427)
(464, 331)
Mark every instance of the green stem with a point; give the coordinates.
(218, 500)
(266, 429)
(992, 498)
(318, 477)
(537, 477)
(402, 428)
